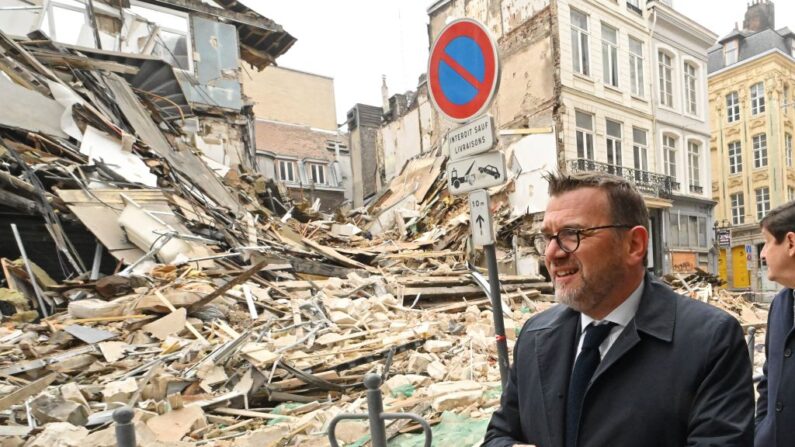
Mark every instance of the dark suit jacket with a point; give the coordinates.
(775, 409)
(679, 374)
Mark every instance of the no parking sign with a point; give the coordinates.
(463, 70)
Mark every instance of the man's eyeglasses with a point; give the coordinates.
(568, 239)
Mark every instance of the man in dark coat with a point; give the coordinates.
(623, 360)
(775, 409)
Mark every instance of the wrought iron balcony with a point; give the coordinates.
(650, 183)
(697, 189)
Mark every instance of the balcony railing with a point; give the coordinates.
(658, 185)
(697, 189)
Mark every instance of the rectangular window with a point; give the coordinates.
(694, 161)
(730, 52)
(317, 173)
(634, 6)
(287, 170)
(614, 145)
(790, 193)
(760, 150)
(673, 223)
(788, 149)
(690, 89)
(171, 39)
(762, 202)
(610, 55)
(640, 154)
(702, 231)
(669, 155)
(636, 66)
(758, 98)
(738, 208)
(735, 158)
(584, 135)
(732, 107)
(579, 42)
(666, 79)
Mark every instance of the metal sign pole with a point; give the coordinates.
(499, 319)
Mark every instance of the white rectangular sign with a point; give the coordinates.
(480, 218)
(472, 138)
(478, 172)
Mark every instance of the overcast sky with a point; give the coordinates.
(357, 41)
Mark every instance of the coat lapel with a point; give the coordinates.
(555, 351)
(656, 316)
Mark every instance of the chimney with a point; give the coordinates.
(759, 16)
(384, 95)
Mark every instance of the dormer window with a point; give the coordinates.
(730, 52)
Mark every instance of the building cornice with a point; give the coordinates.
(683, 23)
(751, 60)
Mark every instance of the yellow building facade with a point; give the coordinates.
(751, 116)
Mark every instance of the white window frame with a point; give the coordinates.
(735, 157)
(665, 76)
(187, 32)
(609, 56)
(758, 98)
(581, 60)
(730, 52)
(584, 136)
(694, 162)
(636, 68)
(640, 150)
(788, 149)
(669, 155)
(760, 150)
(613, 143)
(762, 202)
(738, 208)
(317, 173)
(733, 107)
(691, 88)
(281, 171)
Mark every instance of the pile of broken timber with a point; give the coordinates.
(215, 358)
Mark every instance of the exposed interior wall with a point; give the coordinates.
(291, 96)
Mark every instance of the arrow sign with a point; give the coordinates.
(480, 214)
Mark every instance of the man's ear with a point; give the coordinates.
(639, 243)
(789, 239)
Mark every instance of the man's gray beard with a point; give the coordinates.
(589, 294)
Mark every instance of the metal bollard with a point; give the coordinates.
(376, 416)
(751, 340)
(125, 430)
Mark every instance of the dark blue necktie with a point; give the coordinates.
(584, 368)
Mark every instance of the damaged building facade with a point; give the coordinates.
(120, 105)
(187, 53)
(617, 87)
(298, 142)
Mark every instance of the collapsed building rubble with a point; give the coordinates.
(221, 318)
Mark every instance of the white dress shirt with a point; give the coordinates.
(621, 316)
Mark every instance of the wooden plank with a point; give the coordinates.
(334, 255)
(251, 414)
(26, 391)
(224, 288)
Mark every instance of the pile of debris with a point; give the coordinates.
(204, 356)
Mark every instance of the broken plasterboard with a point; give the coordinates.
(101, 146)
